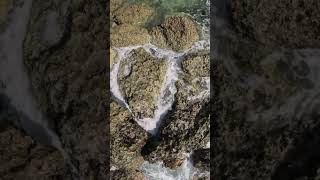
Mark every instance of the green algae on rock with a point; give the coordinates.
(136, 14)
(141, 77)
(177, 33)
(125, 146)
(128, 35)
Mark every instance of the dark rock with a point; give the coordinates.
(291, 24)
(201, 159)
(267, 112)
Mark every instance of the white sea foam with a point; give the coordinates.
(158, 171)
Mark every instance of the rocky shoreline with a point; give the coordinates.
(145, 55)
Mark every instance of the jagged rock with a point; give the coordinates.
(177, 33)
(292, 23)
(197, 64)
(67, 75)
(195, 77)
(128, 35)
(186, 126)
(136, 14)
(141, 77)
(127, 139)
(201, 159)
(23, 158)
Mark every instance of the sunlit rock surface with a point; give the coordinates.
(177, 33)
(140, 78)
(129, 13)
(129, 35)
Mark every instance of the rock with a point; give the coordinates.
(125, 146)
(291, 24)
(197, 64)
(174, 163)
(137, 14)
(68, 77)
(186, 126)
(201, 159)
(47, 27)
(261, 122)
(177, 33)
(127, 175)
(113, 57)
(23, 158)
(195, 77)
(141, 77)
(129, 35)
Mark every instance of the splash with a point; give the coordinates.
(158, 171)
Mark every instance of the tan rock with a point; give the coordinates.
(140, 78)
(133, 14)
(128, 35)
(177, 33)
(113, 57)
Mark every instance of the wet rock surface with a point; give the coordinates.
(201, 159)
(177, 33)
(140, 78)
(291, 24)
(127, 139)
(186, 126)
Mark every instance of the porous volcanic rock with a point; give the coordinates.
(129, 35)
(129, 13)
(176, 32)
